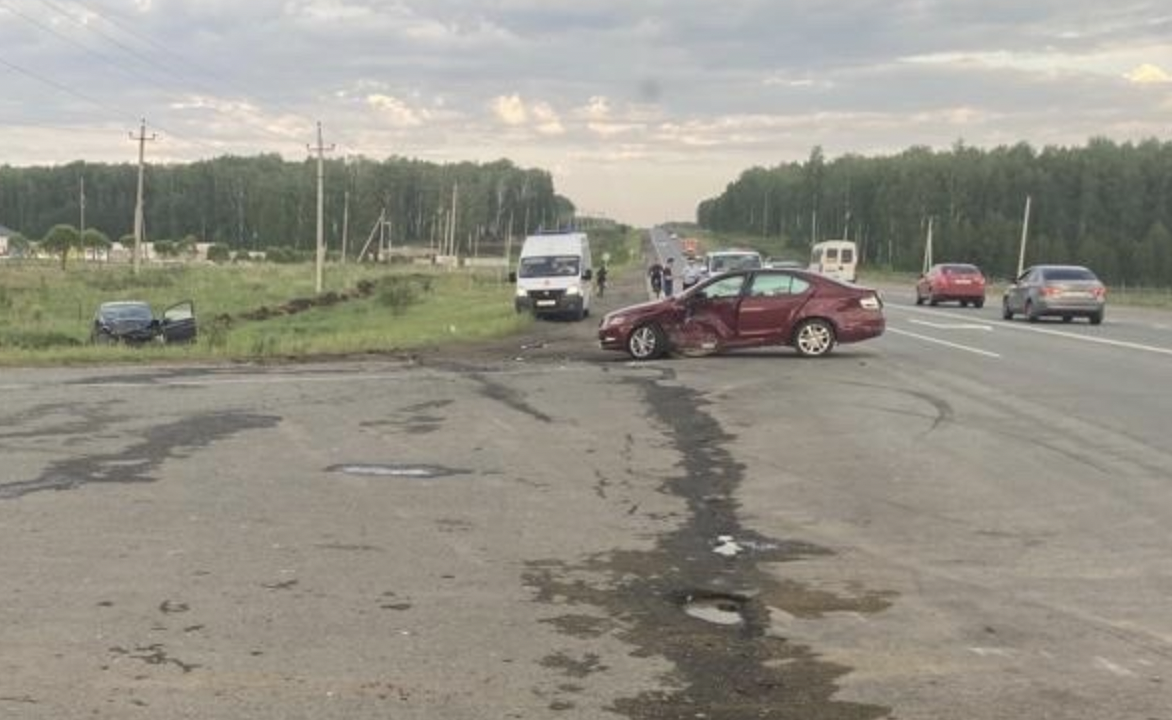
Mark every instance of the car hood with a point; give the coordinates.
(129, 328)
(650, 307)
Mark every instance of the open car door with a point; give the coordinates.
(178, 323)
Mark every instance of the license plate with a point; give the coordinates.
(964, 282)
(546, 303)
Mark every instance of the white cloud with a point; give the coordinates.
(1148, 74)
(547, 120)
(510, 109)
(398, 112)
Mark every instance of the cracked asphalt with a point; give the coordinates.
(530, 529)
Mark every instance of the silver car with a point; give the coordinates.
(1065, 291)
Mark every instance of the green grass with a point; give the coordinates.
(45, 314)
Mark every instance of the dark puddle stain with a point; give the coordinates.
(409, 472)
(508, 397)
(722, 671)
(136, 463)
(584, 626)
(24, 699)
(588, 665)
(416, 419)
(396, 606)
(286, 585)
(167, 607)
(154, 654)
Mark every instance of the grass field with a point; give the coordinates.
(45, 313)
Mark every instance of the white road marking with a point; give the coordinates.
(1008, 325)
(1113, 668)
(991, 651)
(938, 341)
(951, 326)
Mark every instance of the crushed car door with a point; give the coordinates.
(767, 313)
(710, 322)
(178, 323)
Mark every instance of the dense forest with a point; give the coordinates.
(255, 203)
(1106, 205)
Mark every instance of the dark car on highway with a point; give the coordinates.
(952, 282)
(1065, 291)
(133, 322)
(748, 308)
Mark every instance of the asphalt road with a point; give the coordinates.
(966, 518)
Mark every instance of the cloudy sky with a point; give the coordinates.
(640, 108)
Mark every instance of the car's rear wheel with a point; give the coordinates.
(979, 303)
(814, 338)
(919, 297)
(1067, 318)
(646, 342)
(932, 299)
(1006, 313)
(1096, 318)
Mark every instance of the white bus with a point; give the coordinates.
(838, 259)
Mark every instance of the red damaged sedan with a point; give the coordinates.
(748, 308)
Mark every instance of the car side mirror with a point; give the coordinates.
(587, 274)
(512, 276)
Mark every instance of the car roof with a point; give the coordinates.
(124, 303)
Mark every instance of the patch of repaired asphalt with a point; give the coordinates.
(723, 670)
(137, 463)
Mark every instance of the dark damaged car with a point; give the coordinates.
(750, 308)
(133, 322)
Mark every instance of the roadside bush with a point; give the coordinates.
(399, 292)
(219, 253)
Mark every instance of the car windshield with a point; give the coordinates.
(126, 312)
(549, 266)
(1061, 274)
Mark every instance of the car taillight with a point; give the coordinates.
(870, 302)
(1100, 293)
(1051, 291)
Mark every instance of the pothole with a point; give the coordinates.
(416, 472)
(716, 608)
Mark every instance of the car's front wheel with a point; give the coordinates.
(1006, 313)
(814, 338)
(646, 342)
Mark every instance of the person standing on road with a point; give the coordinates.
(600, 278)
(668, 279)
(656, 275)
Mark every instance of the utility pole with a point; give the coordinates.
(928, 249)
(321, 202)
(452, 220)
(1025, 231)
(345, 224)
(81, 225)
(138, 211)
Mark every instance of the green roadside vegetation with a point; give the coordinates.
(251, 312)
(265, 311)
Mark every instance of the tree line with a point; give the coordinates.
(262, 202)
(1105, 205)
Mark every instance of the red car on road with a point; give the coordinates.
(748, 308)
(952, 282)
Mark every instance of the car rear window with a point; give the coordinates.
(1068, 274)
(961, 270)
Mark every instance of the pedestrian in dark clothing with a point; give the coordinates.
(600, 278)
(668, 279)
(656, 275)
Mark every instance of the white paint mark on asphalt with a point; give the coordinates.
(951, 326)
(1023, 327)
(728, 547)
(938, 341)
(991, 652)
(1114, 668)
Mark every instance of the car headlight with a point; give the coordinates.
(522, 292)
(573, 290)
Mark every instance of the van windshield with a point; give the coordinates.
(549, 266)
